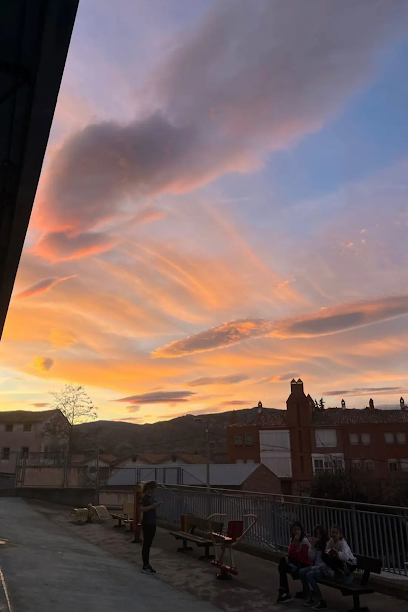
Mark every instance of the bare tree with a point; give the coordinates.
(77, 407)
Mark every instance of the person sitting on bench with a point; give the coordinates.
(338, 563)
(296, 559)
(316, 551)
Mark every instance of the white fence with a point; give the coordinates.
(375, 531)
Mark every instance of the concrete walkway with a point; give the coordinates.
(48, 569)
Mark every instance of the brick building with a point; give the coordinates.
(298, 442)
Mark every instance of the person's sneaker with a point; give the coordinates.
(300, 595)
(147, 569)
(322, 605)
(284, 597)
(309, 602)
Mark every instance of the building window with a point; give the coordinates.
(326, 438)
(249, 440)
(239, 461)
(319, 465)
(9, 426)
(25, 450)
(27, 427)
(250, 461)
(389, 437)
(404, 465)
(5, 454)
(401, 437)
(239, 440)
(357, 464)
(328, 464)
(392, 465)
(354, 439)
(369, 465)
(365, 439)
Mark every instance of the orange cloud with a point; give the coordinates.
(42, 364)
(327, 321)
(59, 246)
(42, 286)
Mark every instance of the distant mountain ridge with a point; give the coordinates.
(176, 435)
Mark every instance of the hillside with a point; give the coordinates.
(180, 434)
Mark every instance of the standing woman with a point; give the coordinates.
(148, 509)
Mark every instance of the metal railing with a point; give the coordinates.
(371, 530)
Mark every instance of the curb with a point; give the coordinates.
(4, 597)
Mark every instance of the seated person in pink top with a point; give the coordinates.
(297, 558)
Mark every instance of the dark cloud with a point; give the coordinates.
(218, 380)
(42, 286)
(327, 321)
(42, 364)
(165, 397)
(226, 335)
(133, 408)
(250, 79)
(366, 391)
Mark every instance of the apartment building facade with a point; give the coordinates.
(24, 431)
(300, 441)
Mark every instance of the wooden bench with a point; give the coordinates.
(367, 565)
(189, 525)
(126, 516)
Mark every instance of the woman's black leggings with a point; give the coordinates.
(287, 567)
(149, 532)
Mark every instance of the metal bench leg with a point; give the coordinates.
(184, 547)
(119, 524)
(206, 554)
(357, 608)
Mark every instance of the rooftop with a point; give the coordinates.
(27, 416)
(221, 474)
(333, 417)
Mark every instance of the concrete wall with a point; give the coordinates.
(53, 476)
(78, 498)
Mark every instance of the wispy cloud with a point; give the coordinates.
(236, 403)
(218, 380)
(40, 404)
(366, 391)
(60, 246)
(283, 377)
(43, 286)
(327, 321)
(160, 397)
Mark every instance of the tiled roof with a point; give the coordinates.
(278, 418)
(350, 416)
(26, 416)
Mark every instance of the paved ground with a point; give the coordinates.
(48, 568)
(255, 589)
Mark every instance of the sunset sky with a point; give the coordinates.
(223, 207)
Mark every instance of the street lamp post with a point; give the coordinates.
(207, 446)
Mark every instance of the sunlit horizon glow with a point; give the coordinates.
(222, 207)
